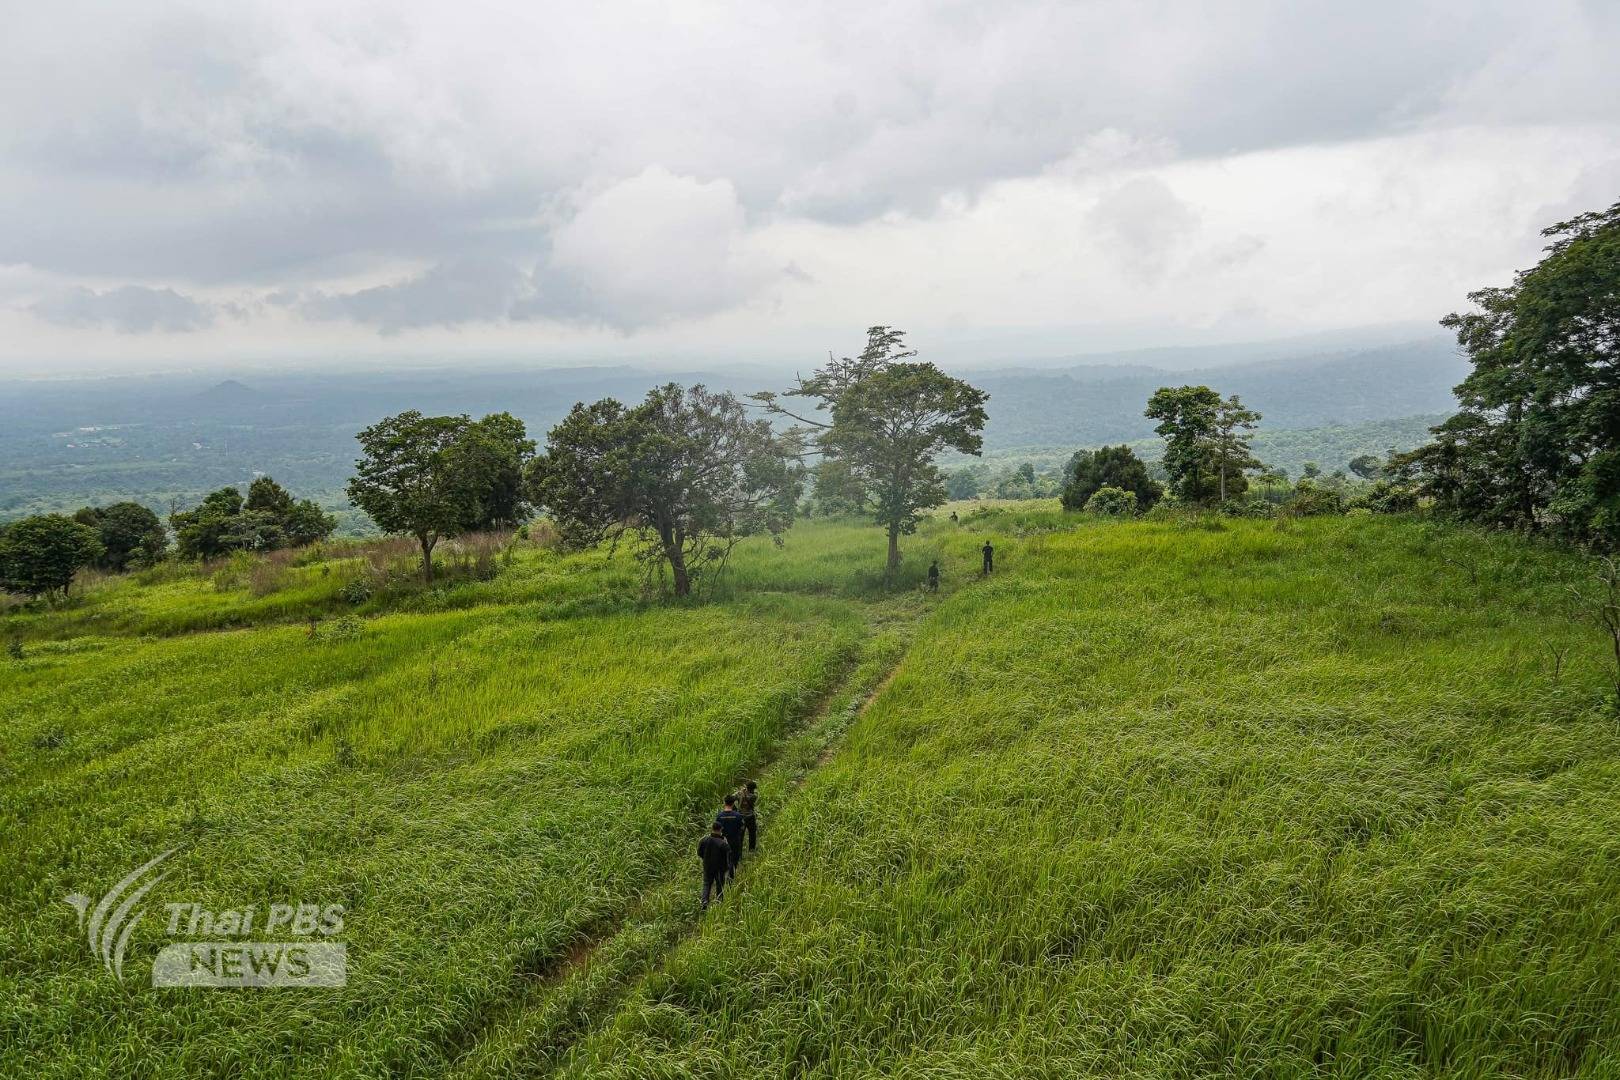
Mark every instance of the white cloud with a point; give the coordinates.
(655, 169)
(653, 248)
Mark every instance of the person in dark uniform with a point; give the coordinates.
(953, 517)
(747, 805)
(933, 576)
(716, 856)
(989, 557)
(730, 822)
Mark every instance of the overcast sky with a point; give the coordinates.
(216, 182)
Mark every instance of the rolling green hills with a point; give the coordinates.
(1163, 798)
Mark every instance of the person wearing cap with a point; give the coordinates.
(730, 822)
(747, 805)
(716, 856)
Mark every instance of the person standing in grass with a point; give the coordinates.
(730, 822)
(989, 557)
(747, 804)
(933, 576)
(716, 856)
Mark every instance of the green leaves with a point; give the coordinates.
(268, 519)
(686, 471)
(1090, 471)
(1534, 445)
(889, 418)
(1206, 441)
(437, 476)
(42, 554)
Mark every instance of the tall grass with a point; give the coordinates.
(1158, 800)
(1162, 798)
(476, 785)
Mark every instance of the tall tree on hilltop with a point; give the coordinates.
(299, 521)
(265, 496)
(497, 448)
(687, 472)
(1206, 453)
(1367, 466)
(1537, 441)
(431, 477)
(1189, 417)
(1234, 425)
(212, 528)
(885, 420)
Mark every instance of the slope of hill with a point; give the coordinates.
(1164, 798)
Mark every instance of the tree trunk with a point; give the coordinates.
(894, 546)
(677, 566)
(1223, 480)
(427, 543)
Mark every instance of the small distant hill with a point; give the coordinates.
(230, 394)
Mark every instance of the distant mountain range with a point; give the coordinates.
(157, 439)
(1098, 404)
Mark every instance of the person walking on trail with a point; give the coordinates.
(989, 557)
(730, 822)
(747, 805)
(716, 856)
(933, 576)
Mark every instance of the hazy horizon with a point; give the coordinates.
(1179, 357)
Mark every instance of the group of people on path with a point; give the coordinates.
(721, 850)
(987, 551)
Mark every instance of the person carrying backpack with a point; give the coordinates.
(715, 854)
(730, 823)
(747, 806)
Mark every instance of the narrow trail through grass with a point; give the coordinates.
(579, 987)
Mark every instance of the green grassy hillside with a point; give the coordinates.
(1159, 798)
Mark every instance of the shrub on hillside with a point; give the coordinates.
(232, 573)
(1113, 501)
(268, 577)
(1090, 471)
(1390, 498)
(1313, 500)
(41, 555)
(1248, 508)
